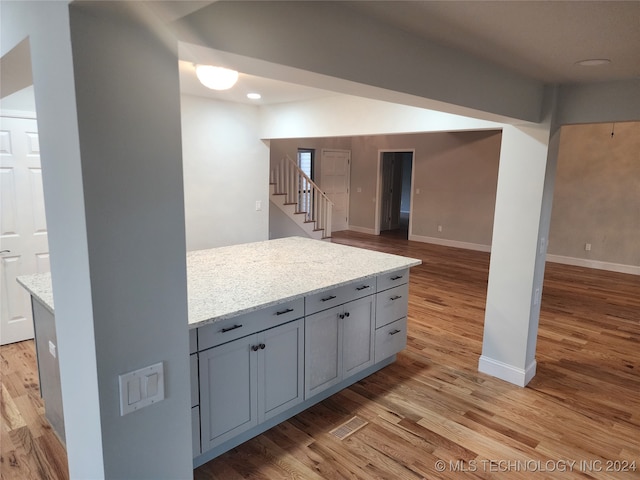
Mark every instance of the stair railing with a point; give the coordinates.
(301, 191)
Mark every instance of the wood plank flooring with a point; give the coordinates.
(432, 405)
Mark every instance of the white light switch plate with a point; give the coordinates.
(141, 388)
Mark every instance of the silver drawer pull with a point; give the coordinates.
(330, 297)
(397, 277)
(225, 330)
(364, 287)
(394, 332)
(395, 297)
(282, 312)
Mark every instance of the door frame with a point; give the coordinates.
(379, 186)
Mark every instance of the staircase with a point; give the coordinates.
(293, 192)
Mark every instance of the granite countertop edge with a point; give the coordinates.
(237, 313)
(213, 297)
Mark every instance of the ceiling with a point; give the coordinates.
(539, 39)
(542, 40)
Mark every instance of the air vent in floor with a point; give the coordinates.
(343, 431)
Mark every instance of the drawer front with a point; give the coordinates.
(392, 304)
(337, 296)
(390, 339)
(229, 329)
(389, 280)
(195, 396)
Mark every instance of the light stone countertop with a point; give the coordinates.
(228, 281)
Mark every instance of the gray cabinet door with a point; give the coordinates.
(228, 397)
(280, 369)
(322, 351)
(358, 337)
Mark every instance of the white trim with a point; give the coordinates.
(355, 228)
(597, 264)
(506, 372)
(451, 243)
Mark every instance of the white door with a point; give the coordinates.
(23, 228)
(334, 181)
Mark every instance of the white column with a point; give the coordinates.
(526, 176)
(107, 100)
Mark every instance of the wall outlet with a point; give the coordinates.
(258, 205)
(52, 349)
(587, 247)
(439, 228)
(417, 191)
(359, 190)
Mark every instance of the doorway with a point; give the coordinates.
(24, 248)
(395, 177)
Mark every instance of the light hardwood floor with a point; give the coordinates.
(432, 405)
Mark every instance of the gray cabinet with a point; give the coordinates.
(339, 342)
(248, 380)
(391, 314)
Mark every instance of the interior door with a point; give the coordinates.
(23, 227)
(391, 190)
(335, 169)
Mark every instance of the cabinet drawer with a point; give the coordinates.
(392, 304)
(337, 296)
(390, 339)
(393, 279)
(233, 328)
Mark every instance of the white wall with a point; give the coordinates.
(226, 170)
(342, 115)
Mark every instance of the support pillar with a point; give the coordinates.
(528, 159)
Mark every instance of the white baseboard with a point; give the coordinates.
(507, 372)
(355, 228)
(597, 264)
(451, 243)
(577, 262)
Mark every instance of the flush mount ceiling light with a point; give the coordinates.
(594, 62)
(254, 96)
(216, 78)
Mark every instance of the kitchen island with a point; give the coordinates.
(275, 327)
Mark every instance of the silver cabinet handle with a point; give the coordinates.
(395, 297)
(282, 312)
(326, 299)
(394, 332)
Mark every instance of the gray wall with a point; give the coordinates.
(597, 194)
(596, 199)
(455, 172)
